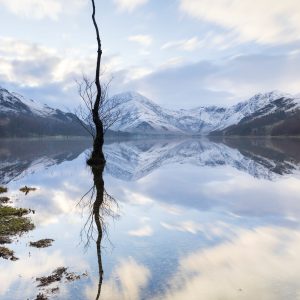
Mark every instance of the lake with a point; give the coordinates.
(185, 219)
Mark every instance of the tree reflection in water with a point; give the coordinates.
(100, 206)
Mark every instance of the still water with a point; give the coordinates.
(189, 219)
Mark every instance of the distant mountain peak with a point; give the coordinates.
(273, 95)
(130, 95)
(141, 115)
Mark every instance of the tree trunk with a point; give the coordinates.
(97, 156)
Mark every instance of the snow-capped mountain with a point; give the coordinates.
(24, 117)
(15, 103)
(267, 114)
(273, 113)
(140, 115)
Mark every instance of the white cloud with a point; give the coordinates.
(38, 9)
(30, 64)
(27, 269)
(259, 264)
(143, 231)
(142, 39)
(221, 83)
(137, 198)
(132, 279)
(210, 41)
(265, 21)
(209, 230)
(129, 5)
(186, 45)
(187, 226)
(46, 73)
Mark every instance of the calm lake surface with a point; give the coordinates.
(191, 219)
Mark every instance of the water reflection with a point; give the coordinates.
(97, 217)
(100, 205)
(133, 160)
(21, 157)
(261, 158)
(195, 213)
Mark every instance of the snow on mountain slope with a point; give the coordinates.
(233, 115)
(141, 115)
(23, 117)
(36, 108)
(14, 103)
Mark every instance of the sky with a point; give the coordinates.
(178, 53)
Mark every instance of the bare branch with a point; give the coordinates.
(108, 108)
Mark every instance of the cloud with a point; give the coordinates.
(186, 45)
(44, 73)
(132, 279)
(266, 22)
(33, 65)
(212, 40)
(27, 269)
(129, 5)
(256, 264)
(36, 9)
(210, 230)
(188, 226)
(223, 82)
(137, 198)
(141, 232)
(142, 39)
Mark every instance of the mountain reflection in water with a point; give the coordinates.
(132, 160)
(199, 218)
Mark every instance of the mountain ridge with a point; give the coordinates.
(22, 117)
(140, 114)
(272, 113)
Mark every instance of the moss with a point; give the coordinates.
(6, 211)
(12, 225)
(12, 221)
(3, 189)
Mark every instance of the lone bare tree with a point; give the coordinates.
(97, 156)
(98, 112)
